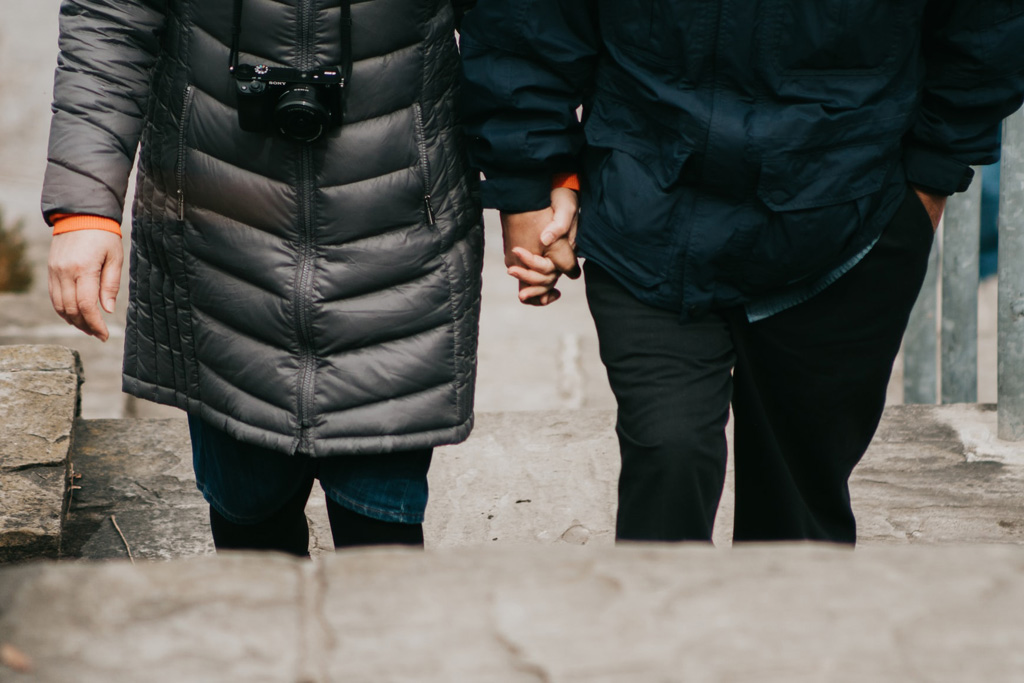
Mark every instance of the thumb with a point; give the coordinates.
(110, 280)
(565, 205)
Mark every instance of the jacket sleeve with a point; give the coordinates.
(107, 49)
(527, 65)
(974, 56)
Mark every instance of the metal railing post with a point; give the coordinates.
(961, 239)
(1011, 281)
(920, 344)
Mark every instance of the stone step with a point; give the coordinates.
(934, 474)
(643, 613)
(38, 404)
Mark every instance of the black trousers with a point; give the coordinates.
(807, 387)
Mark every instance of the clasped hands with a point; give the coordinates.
(540, 247)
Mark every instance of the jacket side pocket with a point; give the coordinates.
(421, 143)
(179, 164)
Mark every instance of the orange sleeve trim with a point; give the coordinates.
(569, 180)
(63, 223)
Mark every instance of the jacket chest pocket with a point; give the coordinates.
(661, 32)
(837, 37)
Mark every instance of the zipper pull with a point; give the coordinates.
(181, 205)
(430, 210)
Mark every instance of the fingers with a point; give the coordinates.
(78, 305)
(537, 277)
(80, 265)
(563, 257)
(87, 291)
(110, 282)
(565, 208)
(532, 277)
(540, 264)
(538, 296)
(534, 270)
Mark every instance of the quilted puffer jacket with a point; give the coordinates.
(317, 297)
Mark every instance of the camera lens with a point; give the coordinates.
(300, 116)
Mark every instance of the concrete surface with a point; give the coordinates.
(939, 474)
(527, 614)
(38, 403)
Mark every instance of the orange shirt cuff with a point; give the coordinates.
(569, 180)
(63, 223)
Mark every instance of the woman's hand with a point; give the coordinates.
(84, 274)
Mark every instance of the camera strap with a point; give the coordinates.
(346, 41)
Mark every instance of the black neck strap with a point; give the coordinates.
(346, 38)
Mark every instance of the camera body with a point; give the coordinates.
(300, 105)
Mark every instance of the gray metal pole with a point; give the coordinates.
(1011, 281)
(961, 238)
(920, 345)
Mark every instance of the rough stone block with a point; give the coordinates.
(786, 613)
(232, 619)
(139, 471)
(29, 319)
(39, 399)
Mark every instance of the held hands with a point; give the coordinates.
(85, 268)
(540, 247)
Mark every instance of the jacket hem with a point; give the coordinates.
(284, 443)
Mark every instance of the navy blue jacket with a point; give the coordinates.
(732, 150)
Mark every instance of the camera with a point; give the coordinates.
(300, 105)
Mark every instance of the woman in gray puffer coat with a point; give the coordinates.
(306, 243)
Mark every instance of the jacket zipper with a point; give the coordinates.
(303, 305)
(303, 294)
(186, 105)
(421, 141)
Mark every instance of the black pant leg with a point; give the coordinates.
(810, 385)
(672, 384)
(350, 529)
(286, 530)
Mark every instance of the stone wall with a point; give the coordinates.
(505, 592)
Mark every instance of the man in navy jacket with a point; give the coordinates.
(760, 182)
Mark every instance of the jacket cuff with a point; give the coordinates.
(569, 181)
(936, 172)
(517, 194)
(63, 223)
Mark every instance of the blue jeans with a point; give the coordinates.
(247, 484)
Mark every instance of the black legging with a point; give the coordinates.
(288, 531)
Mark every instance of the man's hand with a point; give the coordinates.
(85, 267)
(540, 247)
(934, 204)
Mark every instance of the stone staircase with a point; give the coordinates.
(504, 592)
